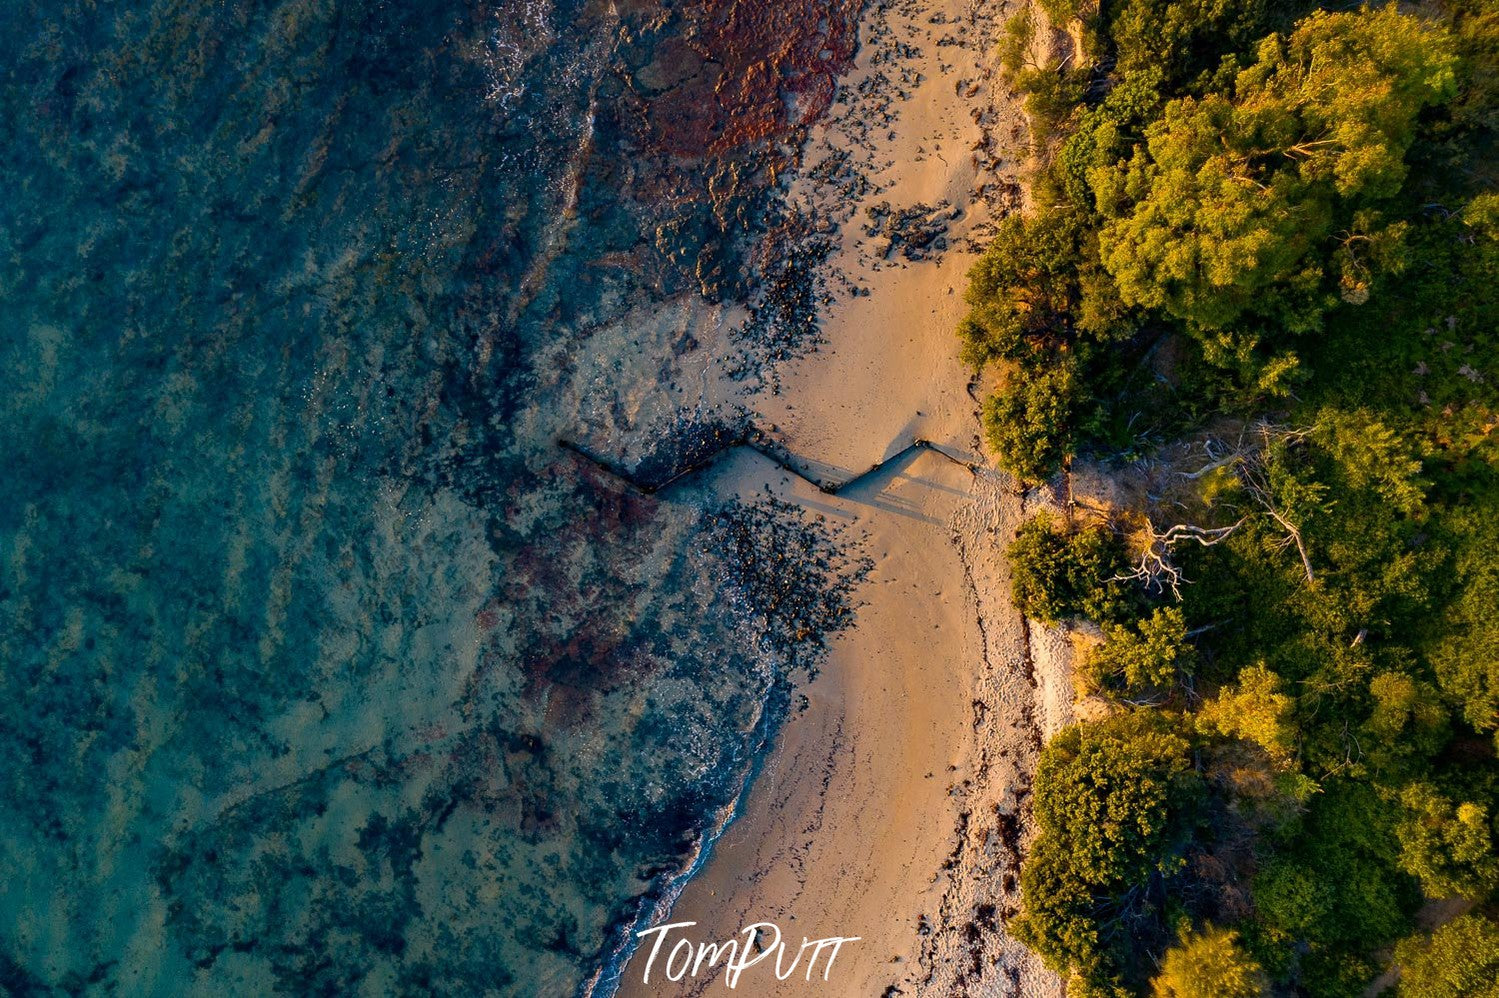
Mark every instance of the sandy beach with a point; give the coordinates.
(894, 805)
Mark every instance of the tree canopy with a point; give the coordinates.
(1458, 960)
(1258, 295)
(1450, 847)
(1209, 964)
(1228, 206)
(1060, 572)
(1149, 655)
(1115, 803)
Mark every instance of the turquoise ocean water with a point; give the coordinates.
(322, 669)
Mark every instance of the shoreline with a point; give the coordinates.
(607, 979)
(893, 806)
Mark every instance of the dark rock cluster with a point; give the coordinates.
(916, 233)
(715, 76)
(782, 325)
(690, 441)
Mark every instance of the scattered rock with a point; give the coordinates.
(918, 232)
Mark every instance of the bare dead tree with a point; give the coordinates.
(1254, 475)
(1249, 457)
(1217, 460)
(1155, 568)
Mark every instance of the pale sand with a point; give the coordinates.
(893, 807)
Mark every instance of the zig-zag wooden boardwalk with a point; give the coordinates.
(753, 440)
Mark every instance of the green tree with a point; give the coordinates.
(1466, 658)
(1332, 882)
(1032, 424)
(1209, 964)
(1151, 655)
(1037, 289)
(1120, 794)
(1115, 806)
(1061, 919)
(1230, 206)
(1408, 718)
(1293, 898)
(1103, 136)
(1255, 709)
(1187, 38)
(1482, 213)
(1371, 455)
(1058, 573)
(1458, 960)
(1449, 847)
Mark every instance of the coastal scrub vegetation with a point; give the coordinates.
(1062, 574)
(1116, 805)
(1258, 290)
(1208, 964)
(1458, 960)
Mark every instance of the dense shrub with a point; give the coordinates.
(1209, 964)
(1057, 573)
(1148, 656)
(1115, 806)
(1458, 960)
(1037, 291)
(1032, 424)
(1449, 846)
